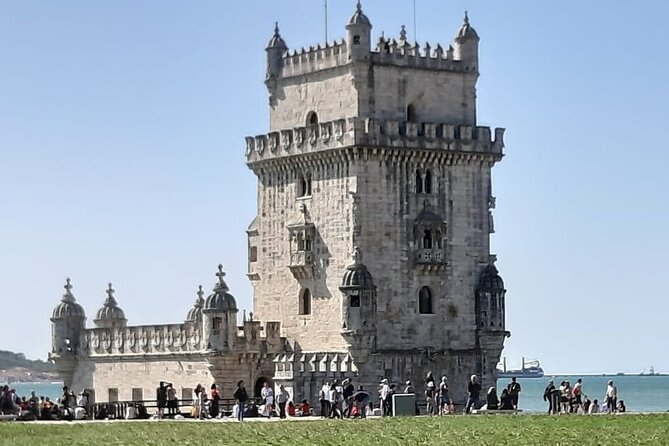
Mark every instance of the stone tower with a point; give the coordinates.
(68, 322)
(376, 151)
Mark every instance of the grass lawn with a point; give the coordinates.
(628, 430)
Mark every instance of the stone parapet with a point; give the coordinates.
(373, 133)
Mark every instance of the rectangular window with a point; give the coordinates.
(253, 254)
(355, 301)
(113, 395)
(137, 394)
(217, 323)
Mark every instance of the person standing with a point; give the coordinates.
(430, 398)
(161, 398)
(577, 393)
(214, 406)
(281, 399)
(172, 401)
(473, 394)
(549, 393)
(514, 391)
(349, 390)
(444, 398)
(384, 396)
(268, 396)
(324, 398)
(611, 397)
(241, 397)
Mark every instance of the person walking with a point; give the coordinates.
(268, 396)
(241, 397)
(549, 397)
(514, 391)
(444, 398)
(473, 394)
(281, 399)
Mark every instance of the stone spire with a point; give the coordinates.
(68, 297)
(221, 285)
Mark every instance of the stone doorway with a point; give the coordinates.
(260, 382)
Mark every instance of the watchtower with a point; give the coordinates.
(377, 148)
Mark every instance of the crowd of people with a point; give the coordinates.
(338, 399)
(566, 399)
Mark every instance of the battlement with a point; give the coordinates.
(172, 339)
(367, 132)
(314, 59)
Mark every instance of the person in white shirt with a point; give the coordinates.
(268, 395)
(611, 397)
(594, 407)
(384, 396)
(324, 398)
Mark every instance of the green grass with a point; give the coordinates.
(628, 430)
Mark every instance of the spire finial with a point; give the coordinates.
(359, 6)
(200, 293)
(357, 255)
(110, 291)
(220, 274)
(276, 30)
(403, 33)
(68, 287)
(466, 18)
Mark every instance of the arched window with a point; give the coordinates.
(427, 239)
(425, 301)
(411, 113)
(305, 302)
(438, 239)
(419, 182)
(304, 185)
(356, 40)
(312, 118)
(428, 182)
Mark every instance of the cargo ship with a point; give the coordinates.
(530, 368)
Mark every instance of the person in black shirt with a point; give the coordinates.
(241, 396)
(506, 401)
(349, 389)
(549, 396)
(361, 399)
(473, 394)
(514, 391)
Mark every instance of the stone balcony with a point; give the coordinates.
(301, 264)
(430, 259)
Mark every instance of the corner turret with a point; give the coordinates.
(467, 46)
(110, 315)
(220, 316)
(194, 316)
(68, 322)
(276, 48)
(359, 35)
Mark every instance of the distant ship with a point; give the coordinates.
(651, 372)
(531, 368)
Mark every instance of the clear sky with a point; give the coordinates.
(121, 157)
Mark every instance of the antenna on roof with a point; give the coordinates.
(326, 21)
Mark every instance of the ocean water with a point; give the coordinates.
(640, 393)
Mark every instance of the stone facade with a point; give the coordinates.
(370, 151)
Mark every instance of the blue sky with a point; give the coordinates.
(121, 149)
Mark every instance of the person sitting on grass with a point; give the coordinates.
(621, 406)
(594, 407)
(492, 402)
(291, 409)
(506, 401)
(305, 408)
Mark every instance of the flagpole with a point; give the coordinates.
(326, 21)
(415, 30)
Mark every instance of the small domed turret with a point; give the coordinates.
(220, 300)
(68, 308)
(195, 313)
(110, 314)
(359, 34)
(467, 45)
(490, 280)
(276, 47)
(357, 276)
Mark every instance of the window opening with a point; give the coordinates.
(356, 40)
(305, 302)
(253, 254)
(217, 323)
(312, 118)
(427, 239)
(411, 113)
(355, 301)
(419, 182)
(425, 301)
(428, 182)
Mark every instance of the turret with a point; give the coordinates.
(359, 35)
(220, 316)
(110, 315)
(467, 45)
(68, 322)
(194, 316)
(359, 299)
(490, 306)
(276, 48)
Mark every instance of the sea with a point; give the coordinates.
(640, 393)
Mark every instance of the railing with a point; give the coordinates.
(430, 256)
(119, 409)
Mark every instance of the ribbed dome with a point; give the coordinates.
(357, 276)
(220, 300)
(466, 31)
(359, 17)
(110, 310)
(68, 306)
(195, 313)
(490, 280)
(276, 41)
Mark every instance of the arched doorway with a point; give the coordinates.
(260, 382)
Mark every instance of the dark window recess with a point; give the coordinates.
(425, 301)
(355, 301)
(253, 254)
(217, 323)
(305, 302)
